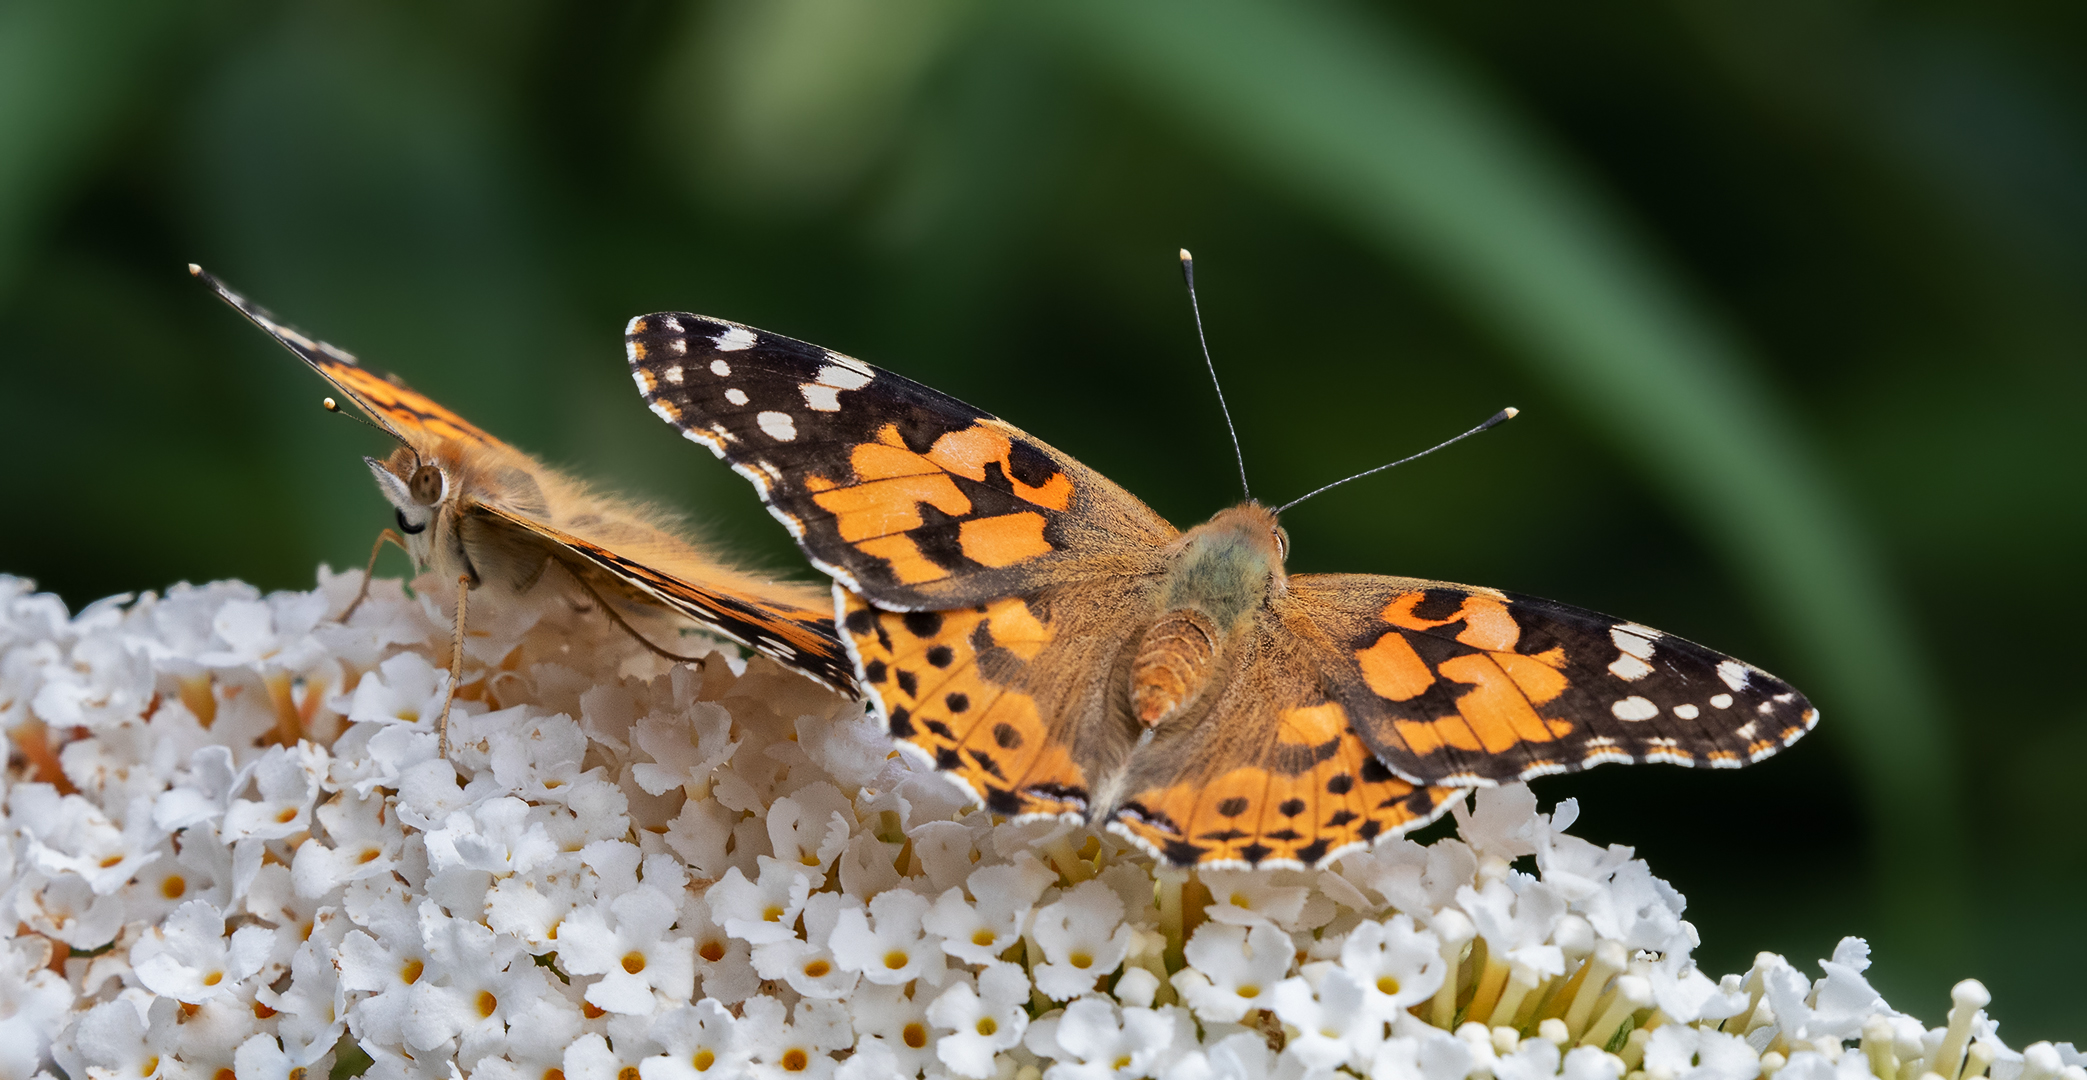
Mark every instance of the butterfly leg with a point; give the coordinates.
(628, 628)
(375, 550)
(456, 667)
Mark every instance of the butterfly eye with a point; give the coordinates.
(426, 486)
(1282, 543)
(408, 527)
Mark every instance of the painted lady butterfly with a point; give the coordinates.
(1060, 650)
(481, 512)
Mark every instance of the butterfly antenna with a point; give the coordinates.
(1188, 274)
(1497, 418)
(334, 407)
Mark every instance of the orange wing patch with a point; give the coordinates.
(893, 487)
(1499, 711)
(1319, 792)
(406, 409)
(931, 672)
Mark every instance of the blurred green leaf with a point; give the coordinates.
(52, 121)
(1362, 118)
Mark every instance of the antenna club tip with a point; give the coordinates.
(330, 405)
(194, 270)
(1186, 257)
(1510, 412)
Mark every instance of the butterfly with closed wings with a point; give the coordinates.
(482, 513)
(1052, 644)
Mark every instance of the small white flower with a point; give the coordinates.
(639, 962)
(811, 826)
(761, 911)
(1231, 969)
(1083, 937)
(1093, 1039)
(687, 747)
(33, 998)
(893, 1021)
(188, 957)
(698, 1042)
(808, 963)
(981, 1021)
(800, 1048)
(119, 1040)
(1398, 965)
(287, 779)
(1245, 897)
(68, 835)
(979, 931)
(1337, 1024)
(896, 951)
(1682, 1052)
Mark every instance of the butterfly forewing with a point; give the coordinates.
(1457, 685)
(907, 495)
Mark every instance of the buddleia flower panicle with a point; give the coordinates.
(231, 843)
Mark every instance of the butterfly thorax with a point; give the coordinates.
(1219, 575)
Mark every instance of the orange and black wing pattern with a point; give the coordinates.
(1274, 775)
(1015, 700)
(796, 637)
(906, 495)
(389, 402)
(1462, 686)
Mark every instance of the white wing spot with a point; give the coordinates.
(1733, 673)
(672, 324)
(843, 378)
(777, 426)
(820, 398)
(1631, 644)
(1645, 632)
(735, 339)
(1746, 730)
(1634, 708)
(736, 396)
(1785, 699)
(720, 369)
(673, 374)
(679, 347)
(1721, 701)
(1629, 668)
(1687, 712)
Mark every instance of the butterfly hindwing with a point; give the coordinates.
(1273, 774)
(1458, 685)
(797, 637)
(904, 494)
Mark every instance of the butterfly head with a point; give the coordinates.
(417, 490)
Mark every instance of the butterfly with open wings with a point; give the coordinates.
(1051, 643)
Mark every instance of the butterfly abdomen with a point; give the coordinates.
(1173, 662)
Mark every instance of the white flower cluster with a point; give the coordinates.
(230, 850)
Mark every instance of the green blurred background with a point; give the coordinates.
(1788, 291)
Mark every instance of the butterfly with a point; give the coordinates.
(1052, 644)
(482, 513)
